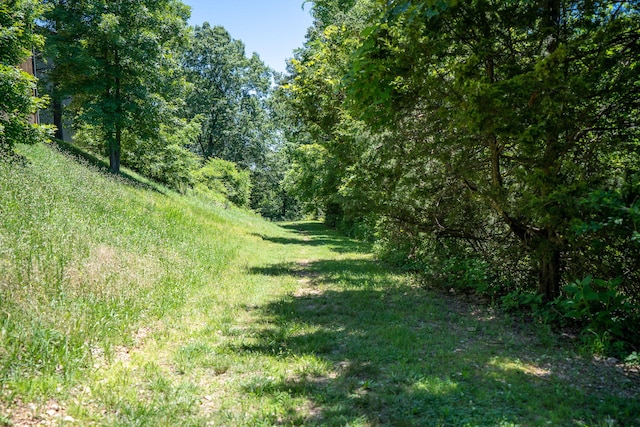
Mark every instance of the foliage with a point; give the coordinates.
(229, 91)
(117, 60)
(269, 195)
(601, 306)
(606, 235)
(163, 98)
(272, 194)
(493, 143)
(519, 300)
(506, 112)
(329, 139)
(166, 158)
(224, 177)
(241, 119)
(307, 174)
(17, 87)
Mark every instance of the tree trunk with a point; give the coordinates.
(114, 149)
(284, 204)
(549, 248)
(114, 161)
(549, 272)
(114, 152)
(56, 102)
(57, 118)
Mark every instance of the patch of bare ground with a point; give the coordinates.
(311, 410)
(121, 353)
(605, 375)
(306, 279)
(27, 415)
(213, 395)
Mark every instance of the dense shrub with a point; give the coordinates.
(223, 177)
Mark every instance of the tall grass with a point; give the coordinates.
(86, 259)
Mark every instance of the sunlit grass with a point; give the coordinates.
(86, 259)
(125, 304)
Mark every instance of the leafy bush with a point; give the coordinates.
(222, 176)
(174, 167)
(607, 231)
(401, 246)
(519, 299)
(17, 104)
(90, 138)
(164, 158)
(17, 100)
(441, 262)
(466, 273)
(600, 305)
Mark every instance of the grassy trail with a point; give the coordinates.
(304, 328)
(178, 313)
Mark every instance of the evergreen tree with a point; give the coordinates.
(519, 104)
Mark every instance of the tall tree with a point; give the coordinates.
(519, 104)
(326, 133)
(229, 91)
(17, 100)
(116, 59)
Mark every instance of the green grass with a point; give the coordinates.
(125, 304)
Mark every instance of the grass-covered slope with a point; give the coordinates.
(124, 304)
(87, 258)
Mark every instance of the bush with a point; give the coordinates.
(17, 100)
(607, 233)
(164, 157)
(222, 176)
(601, 306)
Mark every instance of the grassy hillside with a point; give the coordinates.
(87, 258)
(125, 304)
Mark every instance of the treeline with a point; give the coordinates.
(492, 146)
(182, 105)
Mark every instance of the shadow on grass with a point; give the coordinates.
(354, 273)
(317, 234)
(101, 164)
(395, 354)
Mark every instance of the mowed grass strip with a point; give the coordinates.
(306, 328)
(128, 305)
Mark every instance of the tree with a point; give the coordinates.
(223, 177)
(270, 195)
(485, 127)
(327, 135)
(117, 60)
(17, 100)
(229, 91)
(166, 158)
(521, 105)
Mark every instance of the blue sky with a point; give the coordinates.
(272, 28)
